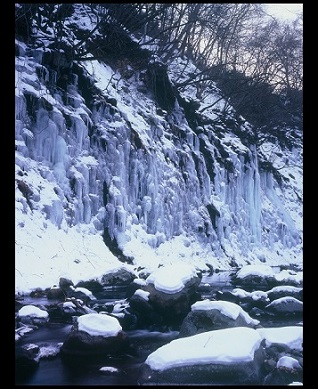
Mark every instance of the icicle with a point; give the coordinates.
(87, 214)
(55, 212)
(46, 133)
(120, 218)
(81, 133)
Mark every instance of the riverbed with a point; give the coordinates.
(122, 370)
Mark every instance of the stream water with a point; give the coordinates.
(61, 370)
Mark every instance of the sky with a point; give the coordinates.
(285, 12)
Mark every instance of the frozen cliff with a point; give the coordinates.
(110, 172)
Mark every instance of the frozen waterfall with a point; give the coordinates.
(119, 163)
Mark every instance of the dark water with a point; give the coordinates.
(61, 370)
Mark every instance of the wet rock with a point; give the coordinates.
(215, 315)
(173, 305)
(30, 314)
(286, 306)
(144, 311)
(251, 277)
(26, 359)
(55, 293)
(283, 291)
(210, 360)
(119, 277)
(286, 371)
(95, 334)
(70, 291)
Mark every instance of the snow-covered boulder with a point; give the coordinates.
(249, 300)
(285, 306)
(172, 289)
(285, 290)
(289, 277)
(70, 290)
(95, 333)
(220, 356)
(30, 314)
(209, 315)
(283, 347)
(289, 337)
(258, 276)
(287, 371)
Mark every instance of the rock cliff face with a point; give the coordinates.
(115, 148)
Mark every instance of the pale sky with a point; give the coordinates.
(286, 12)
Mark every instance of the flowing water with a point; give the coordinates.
(61, 370)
